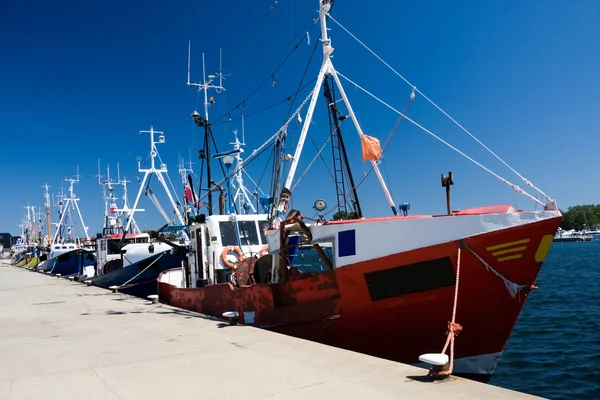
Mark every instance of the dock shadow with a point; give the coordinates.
(428, 379)
(113, 312)
(219, 322)
(159, 308)
(420, 378)
(181, 312)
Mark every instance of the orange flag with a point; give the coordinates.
(371, 149)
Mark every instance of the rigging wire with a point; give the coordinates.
(515, 187)
(288, 98)
(396, 128)
(269, 76)
(277, 169)
(247, 37)
(253, 156)
(387, 177)
(148, 192)
(248, 161)
(527, 182)
(257, 188)
(392, 134)
(319, 151)
(259, 150)
(265, 169)
(306, 28)
(312, 54)
(170, 182)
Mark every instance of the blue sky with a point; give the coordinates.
(81, 79)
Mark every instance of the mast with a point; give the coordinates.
(327, 69)
(22, 225)
(341, 167)
(34, 225)
(184, 172)
(204, 153)
(158, 172)
(28, 224)
(240, 199)
(37, 225)
(59, 203)
(126, 211)
(104, 183)
(72, 201)
(113, 215)
(48, 217)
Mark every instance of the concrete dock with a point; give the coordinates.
(63, 340)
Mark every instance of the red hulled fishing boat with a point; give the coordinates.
(395, 287)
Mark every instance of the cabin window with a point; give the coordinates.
(248, 234)
(113, 247)
(262, 225)
(412, 278)
(228, 236)
(306, 259)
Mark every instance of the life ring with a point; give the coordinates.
(235, 249)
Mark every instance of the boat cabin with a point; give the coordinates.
(220, 242)
(110, 248)
(61, 248)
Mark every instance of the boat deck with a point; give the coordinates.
(64, 340)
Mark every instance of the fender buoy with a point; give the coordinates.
(235, 249)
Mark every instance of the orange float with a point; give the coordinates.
(227, 250)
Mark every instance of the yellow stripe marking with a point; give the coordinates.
(513, 250)
(513, 257)
(543, 248)
(509, 244)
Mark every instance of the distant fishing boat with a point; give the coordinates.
(126, 258)
(68, 255)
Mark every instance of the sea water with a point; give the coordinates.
(554, 350)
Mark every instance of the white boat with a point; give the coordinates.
(572, 235)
